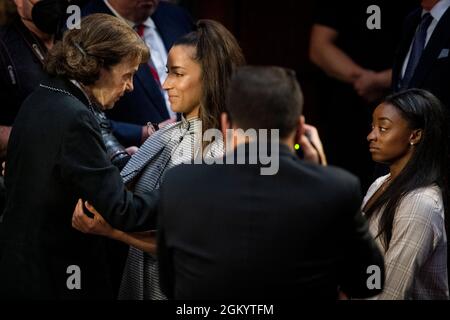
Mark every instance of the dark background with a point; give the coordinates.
(274, 33)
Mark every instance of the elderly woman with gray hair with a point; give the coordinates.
(56, 155)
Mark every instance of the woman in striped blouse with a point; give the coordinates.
(200, 65)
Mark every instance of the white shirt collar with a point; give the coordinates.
(151, 24)
(439, 9)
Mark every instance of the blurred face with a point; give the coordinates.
(24, 8)
(390, 138)
(428, 4)
(135, 10)
(113, 83)
(184, 81)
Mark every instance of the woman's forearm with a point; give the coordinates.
(145, 241)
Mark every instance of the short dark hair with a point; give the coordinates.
(265, 98)
(102, 41)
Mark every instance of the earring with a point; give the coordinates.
(411, 143)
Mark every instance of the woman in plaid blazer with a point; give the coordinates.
(406, 208)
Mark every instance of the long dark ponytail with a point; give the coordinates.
(219, 54)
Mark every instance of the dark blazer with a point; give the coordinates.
(146, 102)
(55, 156)
(433, 71)
(238, 234)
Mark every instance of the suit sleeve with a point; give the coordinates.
(166, 272)
(128, 134)
(85, 166)
(359, 251)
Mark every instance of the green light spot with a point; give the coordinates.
(296, 146)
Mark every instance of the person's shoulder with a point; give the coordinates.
(183, 174)
(330, 175)
(59, 102)
(428, 199)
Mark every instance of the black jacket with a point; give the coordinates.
(241, 235)
(55, 156)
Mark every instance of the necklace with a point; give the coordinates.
(69, 94)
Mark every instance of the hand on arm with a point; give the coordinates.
(145, 241)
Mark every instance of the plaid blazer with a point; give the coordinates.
(416, 260)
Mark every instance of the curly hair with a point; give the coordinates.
(103, 41)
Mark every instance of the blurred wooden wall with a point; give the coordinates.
(275, 34)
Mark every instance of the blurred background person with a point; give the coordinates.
(422, 60)
(159, 24)
(23, 48)
(356, 60)
(7, 11)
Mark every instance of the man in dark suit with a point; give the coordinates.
(162, 23)
(423, 60)
(296, 234)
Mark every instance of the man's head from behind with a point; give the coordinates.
(264, 98)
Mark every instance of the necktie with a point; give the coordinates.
(140, 31)
(417, 48)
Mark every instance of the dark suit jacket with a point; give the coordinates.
(433, 70)
(55, 156)
(238, 234)
(145, 103)
(20, 69)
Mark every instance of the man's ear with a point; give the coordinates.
(416, 136)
